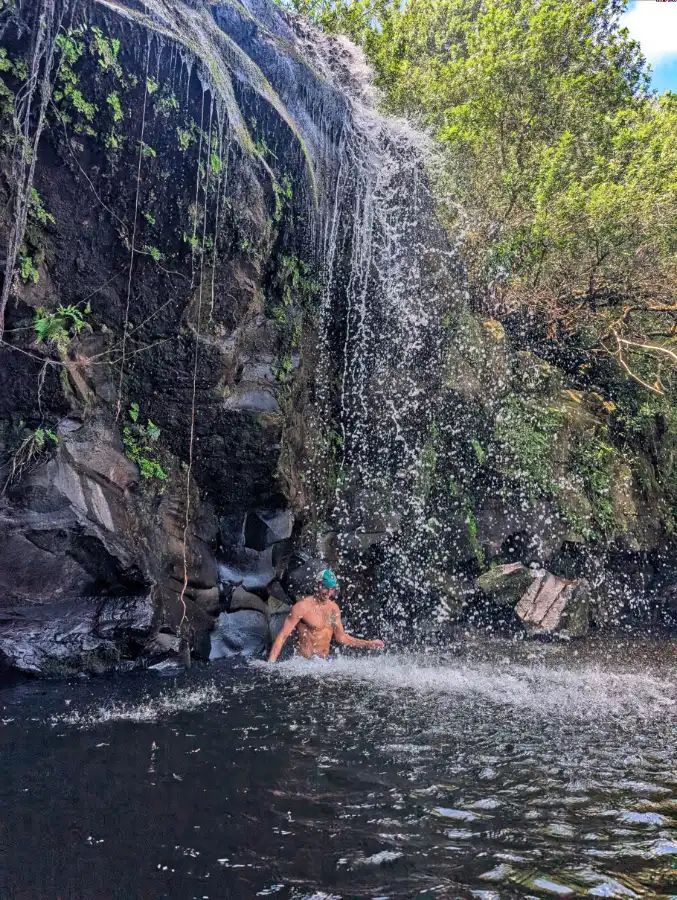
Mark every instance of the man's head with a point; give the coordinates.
(326, 584)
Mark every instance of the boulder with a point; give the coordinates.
(506, 584)
(252, 569)
(242, 633)
(265, 527)
(84, 635)
(538, 529)
(276, 622)
(553, 605)
(301, 579)
(278, 601)
(242, 599)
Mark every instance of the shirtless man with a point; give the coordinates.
(318, 619)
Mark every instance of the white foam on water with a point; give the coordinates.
(587, 692)
(148, 709)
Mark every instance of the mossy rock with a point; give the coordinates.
(506, 584)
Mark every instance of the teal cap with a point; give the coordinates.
(327, 579)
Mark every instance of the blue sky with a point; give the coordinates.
(654, 25)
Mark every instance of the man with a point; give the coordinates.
(318, 619)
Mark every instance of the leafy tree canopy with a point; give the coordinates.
(559, 162)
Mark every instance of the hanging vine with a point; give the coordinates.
(134, 230)
(196, 358)
(30, 107)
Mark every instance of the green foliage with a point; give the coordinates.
(113, 101)
(215, 163)
(29, 271)
(27, 452)
(186, 137)
(139, 440)
(152, 85)
(149, 217)
(71, 46)
(59, 328)
(147, 151)
(166, 105)
(153, 252)
(283, 196)
(560, 165)
(526, 436)
(106, 50)
(192, 241)
(37, 210)
(477, 548)
(480, 453)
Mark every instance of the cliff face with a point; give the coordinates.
(233, 329)
(159, 331)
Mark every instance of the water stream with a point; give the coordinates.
(497, 770)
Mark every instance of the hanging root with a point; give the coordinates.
(196, 360)
(125, 327)
(37, 91)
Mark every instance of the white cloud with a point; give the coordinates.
(654, 25)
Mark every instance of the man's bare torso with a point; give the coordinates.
(316, 628)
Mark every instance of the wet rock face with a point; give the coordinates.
(217, 316)
(71, 637)
(81, 525)
(243, 633)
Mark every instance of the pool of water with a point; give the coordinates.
(495, 770)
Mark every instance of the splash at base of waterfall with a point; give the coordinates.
(498, 770)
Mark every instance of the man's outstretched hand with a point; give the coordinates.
(377, 645)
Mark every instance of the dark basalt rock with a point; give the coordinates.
(264, 527)
(301, 580)
(242, 633)
(505, 585)
(76, 636)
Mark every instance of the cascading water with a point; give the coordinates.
(390, 276)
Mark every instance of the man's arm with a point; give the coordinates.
(290, 623)
(348, 640)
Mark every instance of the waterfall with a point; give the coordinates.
(390, 276)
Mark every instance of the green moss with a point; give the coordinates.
(475, 545)
(526, 435)
(28, 270)
(113, 101)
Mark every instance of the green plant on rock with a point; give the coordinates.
(284, 367)
(113, 101)
(186, 137)
(526, 436)
(27, 452)
(476, 546)
(480, 452)
(138, 440)
(59, 328)
(592, 459)
(71, 46)
(106, 50)
(29, 271)
(283, 195)
(38, 212)
(148, 151)
(166, 105)
(153, 252)
(192, 241)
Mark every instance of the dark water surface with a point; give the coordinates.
(497, 771)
